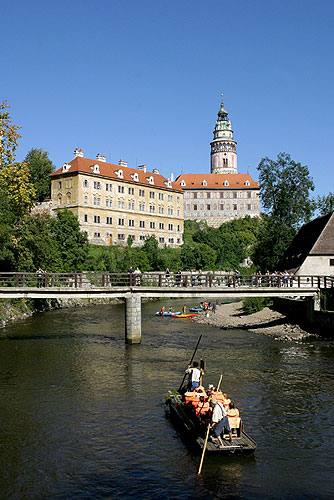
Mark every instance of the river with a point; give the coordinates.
(82, 414)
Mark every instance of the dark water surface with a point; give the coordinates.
(81, 413)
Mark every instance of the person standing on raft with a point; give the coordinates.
(194, 376)
(219, 421)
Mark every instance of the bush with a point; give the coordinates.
(255, 304)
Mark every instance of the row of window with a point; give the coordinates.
(131, 223)
(222, 194)
(220, 207)
(121, 237)
(131, 206)
(121, 189)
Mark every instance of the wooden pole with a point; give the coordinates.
(184, 377)
(204, 450)
(220, 381)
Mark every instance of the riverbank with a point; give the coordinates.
(12, 310)
(267, 322)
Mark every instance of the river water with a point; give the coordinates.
(82, 414)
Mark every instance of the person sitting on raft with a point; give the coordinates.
(232, 411)
(194, 376)
(219, 420)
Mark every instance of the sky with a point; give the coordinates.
(140, 80)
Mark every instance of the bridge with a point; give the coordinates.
(132, 287)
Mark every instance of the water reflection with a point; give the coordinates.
(81, 412)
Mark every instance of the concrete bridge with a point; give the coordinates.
(209, 285)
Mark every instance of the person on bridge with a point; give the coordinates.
(194, 376)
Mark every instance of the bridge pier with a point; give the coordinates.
(132, 319)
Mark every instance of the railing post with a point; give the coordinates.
(298, 281)
(17, 279)
(325, 281)
(160, 280)
(75, 280)
(319, 282)
(186, 281)
(23, 280)
(233, 281)
(210, 280)
(46, 279)
(103, 280)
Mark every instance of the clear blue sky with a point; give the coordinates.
(141, 80)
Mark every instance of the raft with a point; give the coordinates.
(196, 309)
(193, 427)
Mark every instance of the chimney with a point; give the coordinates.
(172, 177)
(155, 171)
(142, 167)
(122, 163)
(100, 157)
(78, 153)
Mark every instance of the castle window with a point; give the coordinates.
(208, 195)
(131, 223)
(141, 223)
(161, 239)
(59, 184)
(85, 183)
(226, 183)
(161, 225)
(109, 220)
(85, 218)
(183, 183)
(204, 183)
(97, 219)
(152, 225)
(331, 262)
(86, 200)
(121, 222)
(121, 189)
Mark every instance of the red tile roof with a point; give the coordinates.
(108, 170)
(216, 181)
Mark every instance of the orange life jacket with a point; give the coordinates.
(233, 412)
(202, 408)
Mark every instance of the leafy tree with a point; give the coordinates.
(9, 136)
(7, 220)
(40, 168)
(36, 246)
(151, 248)
(20, 191)
(325, 204)
(285, 191)
(198, 256)
(73, 243)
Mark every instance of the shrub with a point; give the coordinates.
(255, 304)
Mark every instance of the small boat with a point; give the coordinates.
(167, 313)
(179, 315)
(196, 309)
(193, 427)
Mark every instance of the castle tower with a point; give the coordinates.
(223, 146)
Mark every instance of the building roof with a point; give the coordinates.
(108, 170)
(216, 181)
(314, 238)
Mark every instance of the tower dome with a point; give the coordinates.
(223, 146)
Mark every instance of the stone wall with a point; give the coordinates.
(302, 312)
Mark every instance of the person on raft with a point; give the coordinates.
(219, 420)
(194, 376)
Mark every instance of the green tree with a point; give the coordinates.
(285, 194)
(285, 191)
(7, 221)
(150, 248)
(9, 136)
(40, 168)
(325, 204)
(14, 179)
(198, 256)
(73, 243)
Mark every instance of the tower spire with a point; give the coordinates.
(223, 146)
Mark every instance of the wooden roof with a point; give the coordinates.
(314, 238)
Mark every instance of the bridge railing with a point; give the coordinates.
(205, 279)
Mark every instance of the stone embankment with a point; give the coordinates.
(267, 322)
(20, 309)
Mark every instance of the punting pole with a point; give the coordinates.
(204, 449)
(191, 361)
(220, 381)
